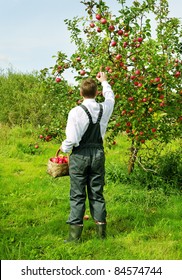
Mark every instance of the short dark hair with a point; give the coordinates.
(88, 88)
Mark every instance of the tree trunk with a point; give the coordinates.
(132, 158)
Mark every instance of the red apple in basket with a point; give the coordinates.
(65, 159)
(60, 160)
(56, 160)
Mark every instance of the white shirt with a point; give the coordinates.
(78, 120)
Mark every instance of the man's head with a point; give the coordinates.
(88, 88)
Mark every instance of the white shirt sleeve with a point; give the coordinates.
(71, 132)
(107, 91)
(109, 99)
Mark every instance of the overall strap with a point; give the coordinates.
(87, 112)
(89, 115)
(100, 113)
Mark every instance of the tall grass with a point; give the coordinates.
(142, 223)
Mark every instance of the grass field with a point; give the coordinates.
(142, 224)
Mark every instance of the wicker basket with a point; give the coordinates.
(57, 169)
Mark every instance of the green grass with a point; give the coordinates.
(142, 224)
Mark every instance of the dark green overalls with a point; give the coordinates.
(87, 169)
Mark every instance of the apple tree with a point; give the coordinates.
(144, 67)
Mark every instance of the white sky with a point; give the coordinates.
(32, 31)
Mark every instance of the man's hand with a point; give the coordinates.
(102, 77)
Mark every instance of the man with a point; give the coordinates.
(85, 130)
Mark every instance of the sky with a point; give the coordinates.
(32, 31)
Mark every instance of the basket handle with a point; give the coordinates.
(57, 154)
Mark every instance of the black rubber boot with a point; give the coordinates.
(75, 232)
(101, 230)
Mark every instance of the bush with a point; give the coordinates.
(37, 100)
(21, 99)
(164, 171)
(170, 168)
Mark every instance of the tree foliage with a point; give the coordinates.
(144, 66)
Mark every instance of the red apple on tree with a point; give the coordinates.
(113, 43)
(120, 32)
(99, 29)
(78, 58)
(82, 72)
(159, 85)
(140, 39)
(107, 68)
(59, 68)
(140, 84)
(92, 25)
(123, 112)
(128, 124)
(117, 124)
(58, 80)
(161, 96)
(98, 16)
(118, 56)
(177, 74)
(111, 28)
(162, 104)
(125, 44)
(103, 21)
(137, 72)
(157, 80)
(132, 77)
